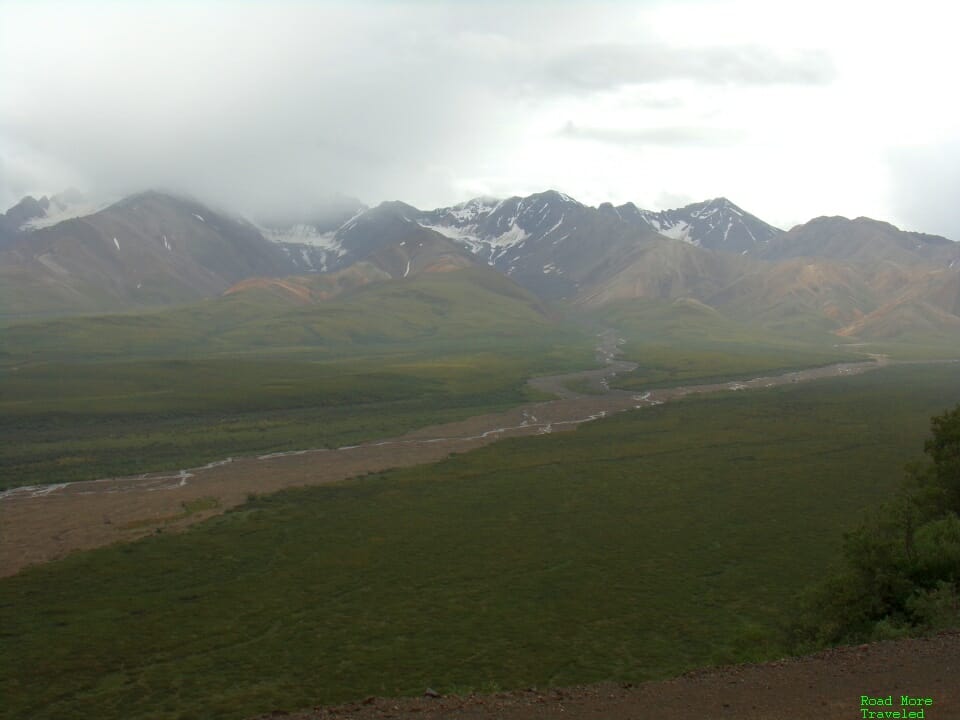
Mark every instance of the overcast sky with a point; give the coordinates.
(790, 109)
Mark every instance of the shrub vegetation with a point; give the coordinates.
(900, 573)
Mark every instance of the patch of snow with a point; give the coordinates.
(166, 244)
(465, 236)
(679, 231)
(554, 227)
(407, 271)
(198, 217)
(472, 209)
(304, 235)
(139, 285)
(58, 213)
(514, 236)
(116, 243)
(567, 198)
(305, 254)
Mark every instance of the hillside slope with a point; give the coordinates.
(368, 313)
(147, 250)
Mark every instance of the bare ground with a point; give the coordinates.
(824, 686)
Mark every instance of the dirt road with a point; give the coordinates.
(825, 686)
(42, 523)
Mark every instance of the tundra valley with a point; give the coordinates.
(253, 467)
(479, 360)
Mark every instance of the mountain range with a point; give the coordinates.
(859, 278)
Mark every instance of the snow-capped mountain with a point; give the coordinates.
(491, 227)
(549, 242)
(552, 234)
(860, 277)
(11, 222)
(715, 224)
(33, 214)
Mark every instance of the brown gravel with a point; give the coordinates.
(825, 686)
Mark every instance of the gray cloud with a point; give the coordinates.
(250, 109)
(925, 182)
(264, 106)
(609, 67)
(257, 106)
(678, 135)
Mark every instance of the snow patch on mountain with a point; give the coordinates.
(514, 236)
(470, 210)
(679, 231)
(58, 212)
(488, 247)
(466, 236)
(304, 235)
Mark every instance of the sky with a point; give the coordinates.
(790, 109)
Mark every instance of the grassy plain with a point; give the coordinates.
(684, 341)
(256, 372)
(82, 398)
(83, 421)
(635, 547)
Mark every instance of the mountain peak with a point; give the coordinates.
(553, 196)
(397, 207)
(28, 209)
(863, 240)
(721, 201)
(716, 224)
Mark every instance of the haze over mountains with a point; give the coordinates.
(859, 278)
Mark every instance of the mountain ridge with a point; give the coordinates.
(856, 277)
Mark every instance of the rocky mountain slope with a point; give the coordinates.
(857, 278)
(715, 224)
(147, 250)
(864, 241)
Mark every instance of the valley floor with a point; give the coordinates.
(43, 523)
(825, 686)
